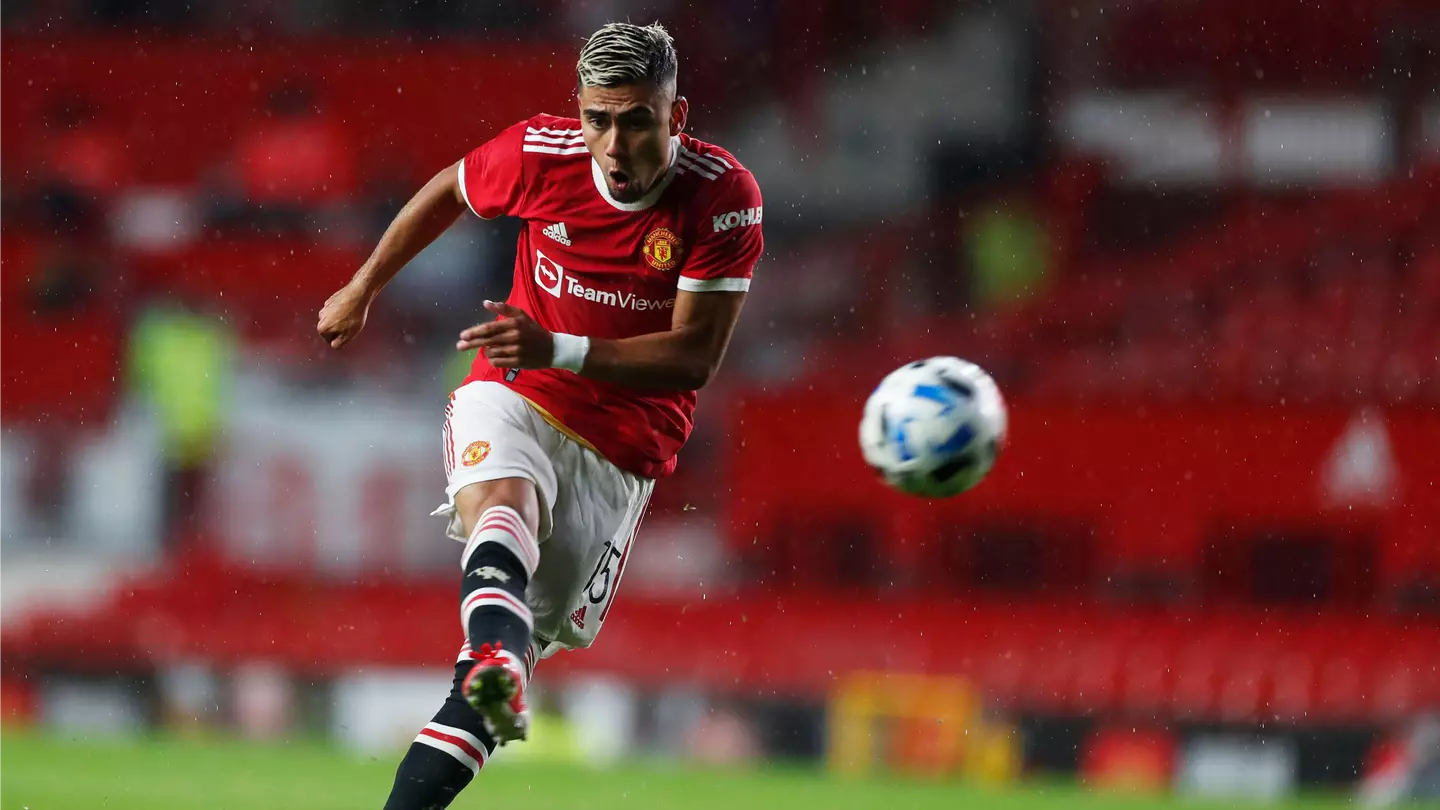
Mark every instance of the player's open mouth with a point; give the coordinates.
(620, 179)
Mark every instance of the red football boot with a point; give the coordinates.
(495, 688)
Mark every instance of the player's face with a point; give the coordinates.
(628, 131)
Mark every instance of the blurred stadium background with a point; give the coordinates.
(1196, 241)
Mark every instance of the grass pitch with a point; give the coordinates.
(53, 772)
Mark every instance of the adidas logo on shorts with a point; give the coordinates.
(557, 232)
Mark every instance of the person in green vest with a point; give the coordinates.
(181, 363)
(1008, 251)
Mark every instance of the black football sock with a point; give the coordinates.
(498, 561)
(446, 755)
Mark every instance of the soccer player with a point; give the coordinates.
(637, 251)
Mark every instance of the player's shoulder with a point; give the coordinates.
(551, 138)
(720, 174)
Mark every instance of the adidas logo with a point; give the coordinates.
(578, 617)
(557, 232)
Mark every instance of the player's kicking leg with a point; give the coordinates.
(486, 706)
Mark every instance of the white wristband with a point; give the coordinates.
(570, 351)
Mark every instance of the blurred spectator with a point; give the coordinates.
(1008, 250)
(181, 362)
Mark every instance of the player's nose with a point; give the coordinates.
(614, 144)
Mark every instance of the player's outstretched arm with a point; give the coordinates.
(686, 357)
(433, 209)
(683, 358)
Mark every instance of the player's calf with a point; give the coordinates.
(499, 559)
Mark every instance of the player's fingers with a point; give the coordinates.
(497, 333)
(500, 337)
(465, 344)
(483, 330)
(502, 308)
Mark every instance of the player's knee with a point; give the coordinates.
(515, 493)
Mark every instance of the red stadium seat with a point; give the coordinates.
(62, 370)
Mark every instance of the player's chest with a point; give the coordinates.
(644, 248)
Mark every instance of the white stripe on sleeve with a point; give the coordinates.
(555, 150)
(687, 163)
(554, 139)
(706, 160)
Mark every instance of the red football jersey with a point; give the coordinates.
(589, 265)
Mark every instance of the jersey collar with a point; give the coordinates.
(652, 196)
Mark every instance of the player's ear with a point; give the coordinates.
(679, 112)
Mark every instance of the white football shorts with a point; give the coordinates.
(590, 509)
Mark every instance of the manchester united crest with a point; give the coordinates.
(662, 249)
(475, 453)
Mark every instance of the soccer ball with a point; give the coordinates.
(933, 427)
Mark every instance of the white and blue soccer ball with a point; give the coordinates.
(934, 427)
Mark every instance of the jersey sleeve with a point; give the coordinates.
(491, 177)
(729, 243)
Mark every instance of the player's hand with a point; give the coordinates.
(343, 316)
(512, 340)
